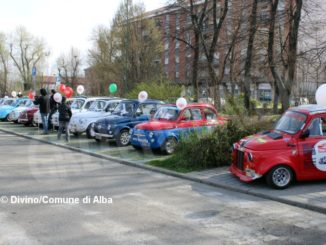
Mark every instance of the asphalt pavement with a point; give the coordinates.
(129, 205)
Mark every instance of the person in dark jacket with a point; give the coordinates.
(44, 103)
(64, 118)
(53, 107)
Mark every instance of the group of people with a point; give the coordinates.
(48, 106)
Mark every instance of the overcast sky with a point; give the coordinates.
(62, 23)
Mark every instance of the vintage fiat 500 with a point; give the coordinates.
(294, 150)
(169, 124)
(116, 127)
(15, 113)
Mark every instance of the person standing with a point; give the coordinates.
(64, 118)
(44, 102)
(53, 107)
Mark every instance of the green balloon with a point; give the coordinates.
(113, 88)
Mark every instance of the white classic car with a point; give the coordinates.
(81, 122)
(14, 114)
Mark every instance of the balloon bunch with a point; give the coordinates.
(66, 90)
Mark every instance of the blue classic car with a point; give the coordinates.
(169, 124)
(126, 115)
(6, 109)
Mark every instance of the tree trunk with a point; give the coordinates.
(248, 63)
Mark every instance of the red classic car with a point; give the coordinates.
(293, 150)
(169, 124)
(26, 116)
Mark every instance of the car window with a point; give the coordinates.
(186, 115)
(323, 125)
(196, 114)
(111, 106)
(87, 105)
(317, 127)
(145, 109)
(210, 114)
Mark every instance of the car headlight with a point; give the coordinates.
(109, 126)
(250, 157)
(151, 134)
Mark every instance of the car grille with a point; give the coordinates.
(239, 159)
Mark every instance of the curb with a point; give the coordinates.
(179, 175)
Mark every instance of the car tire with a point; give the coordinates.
(123, 138)
(280, 177)
(169, 146)
(88, 132)
(27, 124)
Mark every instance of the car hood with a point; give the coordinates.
(270, 140)
(114, 119)
(89, 114)
(156, 125)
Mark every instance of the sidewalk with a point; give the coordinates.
(310, 195)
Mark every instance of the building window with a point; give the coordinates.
(177, 71)
(166, 57)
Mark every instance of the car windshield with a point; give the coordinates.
(291, 122)
(97, 105)
(124, 109)
(18, 103)
(167, 113)
(8, 102)
(25, 103)
(77, 104)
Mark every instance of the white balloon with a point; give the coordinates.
(321, 95)
(57, 97)
(80, 89)
(142, 96)
(14, 94)
(181, 103)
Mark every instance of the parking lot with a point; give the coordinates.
(82, 142)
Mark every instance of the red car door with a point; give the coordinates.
(307, 168)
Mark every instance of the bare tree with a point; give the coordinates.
(27, 52)
(69, 67)
(4, 65)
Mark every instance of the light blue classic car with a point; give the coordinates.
(6, 109)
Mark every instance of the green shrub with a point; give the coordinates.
(163, 90)
(210, 150)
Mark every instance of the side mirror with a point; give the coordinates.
(305, 134)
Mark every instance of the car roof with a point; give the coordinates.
(145, 102)
(311, 108)
(193, 105)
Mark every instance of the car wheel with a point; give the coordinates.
(279, 177)
(90, 132)
(169, 145)
(26, 124)
(123, 138)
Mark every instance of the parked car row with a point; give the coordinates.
(294, 150)
(150, 124)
